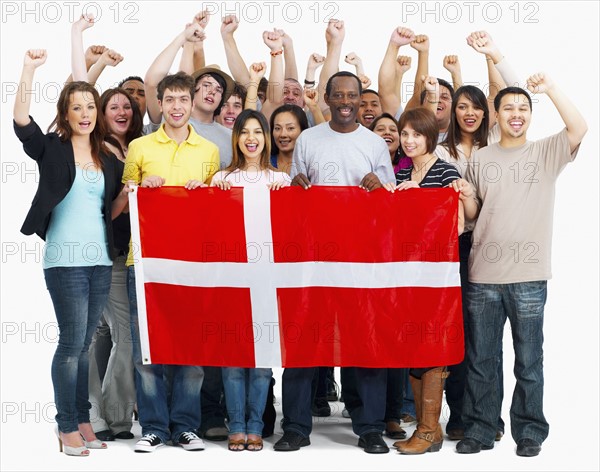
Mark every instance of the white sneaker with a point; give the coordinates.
(148, 443)
(190, 441)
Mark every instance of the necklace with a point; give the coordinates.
(425, 167)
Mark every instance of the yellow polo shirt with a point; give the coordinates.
(196, 158)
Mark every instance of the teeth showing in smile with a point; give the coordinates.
(177, 116)
(516, 124)
(345, 111)
(388, 140)
(251, 147)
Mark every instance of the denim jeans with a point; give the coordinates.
(489, 305)
(212, 400)
(245, 396)
(455, 383)
(79, 295)
(168, 396)
(367, 415)
(113, 398)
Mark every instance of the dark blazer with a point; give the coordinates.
(56, 163)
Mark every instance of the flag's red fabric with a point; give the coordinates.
(343, 277)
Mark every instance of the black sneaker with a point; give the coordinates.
(148, 443)
(190, 441)
(320, 407)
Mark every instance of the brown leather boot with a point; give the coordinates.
(415, 384)
(428, 436)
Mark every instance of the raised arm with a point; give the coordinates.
(421, 44)
(311, 98)
(236, 64)
(483, 43)
(108, 58)
(432, 96)
(161, 65)
(289, 56)
(387, 80)
(573, 119)
(403, 64)
(33, 59)
(78, 65)
(192, 56)
(334, 35)
(354, 60)
(452, 65)
(314, 62)
(274, 42)
(257, 71)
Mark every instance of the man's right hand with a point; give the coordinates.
(153, 181)
(301, 180)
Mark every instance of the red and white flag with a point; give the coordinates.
(330, 276)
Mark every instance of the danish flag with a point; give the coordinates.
(329, 276)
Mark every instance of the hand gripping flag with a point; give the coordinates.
(297, 278)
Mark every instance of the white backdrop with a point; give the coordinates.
(559, 38)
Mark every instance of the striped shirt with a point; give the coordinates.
(440, 175)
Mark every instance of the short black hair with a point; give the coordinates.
(342, 73)
(506, 91)
(374, 92)
(131, 77)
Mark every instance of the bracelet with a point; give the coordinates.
(276, 53)
(309, 82)
(429, 101)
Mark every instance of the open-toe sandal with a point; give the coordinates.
(236, 445)
(255, 445)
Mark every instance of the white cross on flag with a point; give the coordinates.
(330, 276)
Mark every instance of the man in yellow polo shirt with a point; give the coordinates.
(174, 155)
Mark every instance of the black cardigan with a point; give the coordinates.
(56, 163)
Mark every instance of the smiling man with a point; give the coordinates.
(370, 107)
(509, 264)
(339, 152)
(174, 155)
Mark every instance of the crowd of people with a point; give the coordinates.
(205, 127)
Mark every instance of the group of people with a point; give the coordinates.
(209, 128)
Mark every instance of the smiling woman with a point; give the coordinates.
(72, 211)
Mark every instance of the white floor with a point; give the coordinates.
(30, 445)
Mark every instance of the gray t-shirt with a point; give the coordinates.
(327, 157)
(512, 239)
(217, 134)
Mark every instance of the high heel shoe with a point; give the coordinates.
(95, 444)
(79, 451)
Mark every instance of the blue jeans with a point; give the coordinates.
(367, 416)
(245, 396)
(79, 295)
(168, 396)
(455, 383)
(489, 305)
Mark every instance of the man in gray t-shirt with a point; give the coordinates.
(341, 152)
(509, 265)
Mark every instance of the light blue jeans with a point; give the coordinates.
(246, 395)
(79, 295)
(488, 307)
